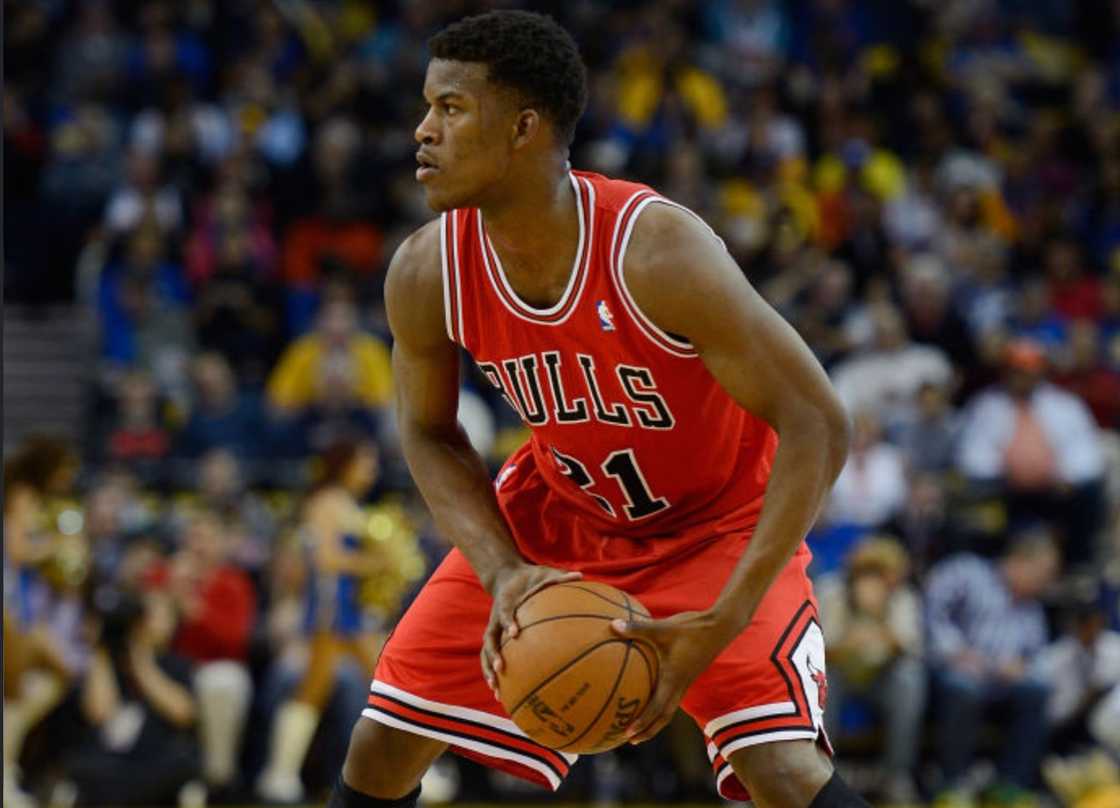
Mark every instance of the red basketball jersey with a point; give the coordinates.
(628, 426)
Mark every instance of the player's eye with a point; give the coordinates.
(451, 109)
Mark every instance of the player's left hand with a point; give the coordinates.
(686, 644)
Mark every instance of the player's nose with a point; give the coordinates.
(426, 132)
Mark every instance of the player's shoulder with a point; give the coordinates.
(414, 283)
(669, 243)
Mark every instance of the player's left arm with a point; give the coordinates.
(684, 280)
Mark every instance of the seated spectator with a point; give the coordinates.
(230, 265)
(887, 376)
(931, 320)
(1083, 372)
(137, 698)
(1039, 446)
(985, 623)
(138, 439)
(929, 435)
(142, 302)
(248, 523)
(217, 610)
(1083, 667)
(872, 622)
(871, 487)
(220, 418)
(336, 349)
(142, 196)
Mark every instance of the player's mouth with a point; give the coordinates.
(428, 167)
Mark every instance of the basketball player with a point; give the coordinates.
(665, 399)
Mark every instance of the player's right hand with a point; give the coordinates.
(510, 589)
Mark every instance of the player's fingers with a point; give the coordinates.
(491, 646)
(638, 629)
(647, 717)
(659, 723)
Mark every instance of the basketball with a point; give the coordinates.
(570, 683)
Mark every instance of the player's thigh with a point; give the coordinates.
(385, 762)
(784, 774)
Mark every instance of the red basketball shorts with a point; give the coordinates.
(767, 685)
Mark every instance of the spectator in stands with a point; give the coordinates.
(335, 353)
(928, 436)
(138, 438)
(138, 699)
(1039, 446)
(985, 625)
(1083, 666)
(931, 320)
(871, 488)
(230, 262)
(1083, 372)
(220, 417)
(217, 610)
(872, 622)
(249, 525)
(886, 377)
(339, 232)
(142, 303)
(341, 559)
(143, 198)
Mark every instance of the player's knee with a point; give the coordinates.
(787, 773)
(383, 767)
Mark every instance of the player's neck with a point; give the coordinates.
(535, 229)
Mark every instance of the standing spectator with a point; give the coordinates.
(931, 320)
(217, 607)
(985, 623)
(1038, 445)
(872, 622)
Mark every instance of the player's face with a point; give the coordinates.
(465, 137)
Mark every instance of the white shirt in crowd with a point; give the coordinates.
(870, 489)
(883, 381)
(1076, 672)
(1065, 421)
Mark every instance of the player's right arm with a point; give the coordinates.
(449, 473)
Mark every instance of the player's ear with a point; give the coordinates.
(526, 126)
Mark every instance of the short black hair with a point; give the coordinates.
(529, 53)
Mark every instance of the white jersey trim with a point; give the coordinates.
(455, 711)
(750, 714)
(466, 743)
(580, 266)
(445, 273)
(656, 335)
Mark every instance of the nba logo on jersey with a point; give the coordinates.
(606, 319)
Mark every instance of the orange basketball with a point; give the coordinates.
(570, 683)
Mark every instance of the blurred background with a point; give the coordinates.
(200, 201)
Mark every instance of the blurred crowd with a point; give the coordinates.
(928, 191)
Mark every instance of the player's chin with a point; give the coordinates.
(438, 201)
